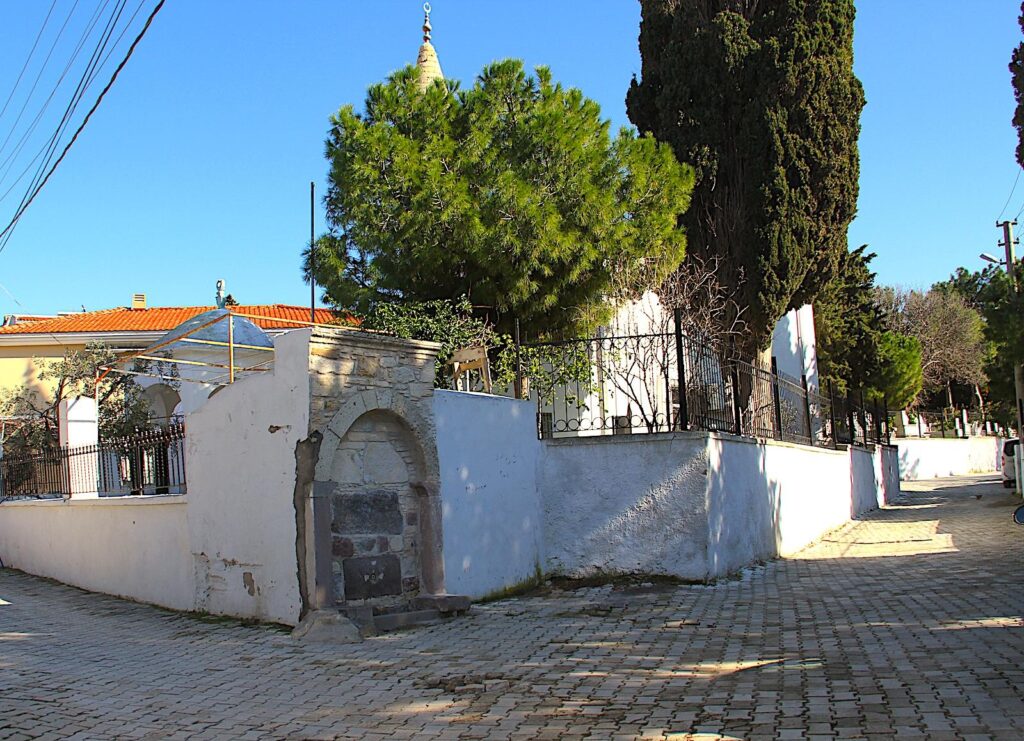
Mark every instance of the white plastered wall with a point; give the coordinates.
(228, 547)
(623, 504)
(135, 547)
(241, 477)
(488, 450)
(928, 458)
(696, 505)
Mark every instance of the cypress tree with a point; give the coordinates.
(1017, 79)
(760, 97)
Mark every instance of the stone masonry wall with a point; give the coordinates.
(375, 512)
(377, 477)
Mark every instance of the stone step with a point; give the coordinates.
(399, 620)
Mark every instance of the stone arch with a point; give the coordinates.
(380, 482)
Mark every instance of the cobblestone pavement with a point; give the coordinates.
(907, 623)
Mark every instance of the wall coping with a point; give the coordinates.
(983, 438)
(347, 336)
(685, 435)
(151, 500)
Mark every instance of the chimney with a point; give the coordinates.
(138, 301)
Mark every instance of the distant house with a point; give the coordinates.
(27, 342)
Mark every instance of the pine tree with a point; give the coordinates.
(898, 378)
(760, 97)
(512, 194)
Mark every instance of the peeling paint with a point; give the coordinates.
(307, 453)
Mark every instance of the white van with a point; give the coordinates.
(1009, 470)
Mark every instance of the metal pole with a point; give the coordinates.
(885, 411)
(684, 412)
(832, 415)
(518, 387)
(864, 419)
(231, 349)
(807, 407)
(849, 415)
(312, 256)
(776, 399)
(737, 415)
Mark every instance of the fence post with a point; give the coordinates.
(885, 411)
(807, 407)
(737, 415)
(863, 416)
(776, 399)
(832, 415)
(683, 423)
(850, 420)
(517, 389)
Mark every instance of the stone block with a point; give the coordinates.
(372, 576)
(347, 467)
(374, 511)
(383, 465)
(367, 366)
(343, 547)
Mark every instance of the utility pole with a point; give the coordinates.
(1018, 370)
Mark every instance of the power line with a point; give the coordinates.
(42, 69)
(76, 97)
(11, 158)
(28, 59)
(8, 230)
(1015, 181)
(1021, 211)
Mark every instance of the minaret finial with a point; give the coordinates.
(428, 68)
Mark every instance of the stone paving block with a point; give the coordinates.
(900, 625)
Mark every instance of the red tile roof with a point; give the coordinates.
(167, 318)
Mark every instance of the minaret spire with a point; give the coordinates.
(427, 66)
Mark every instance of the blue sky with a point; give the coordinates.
(197, 165)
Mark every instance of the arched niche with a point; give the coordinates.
(383, 509)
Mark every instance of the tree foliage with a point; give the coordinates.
(848, 324)
(512, 194)
(950, 332)
(1017, 80)
(990, 292)
(761, 98)
(122, 406)
(898, 378)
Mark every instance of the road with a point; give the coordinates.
(906, 623)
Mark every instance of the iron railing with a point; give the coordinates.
(630, 384)
(948, 422)
(148, 462)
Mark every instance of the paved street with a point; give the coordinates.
(907, 623)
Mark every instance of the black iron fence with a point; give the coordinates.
(631, 384)
(148, 462)
(948, 422)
